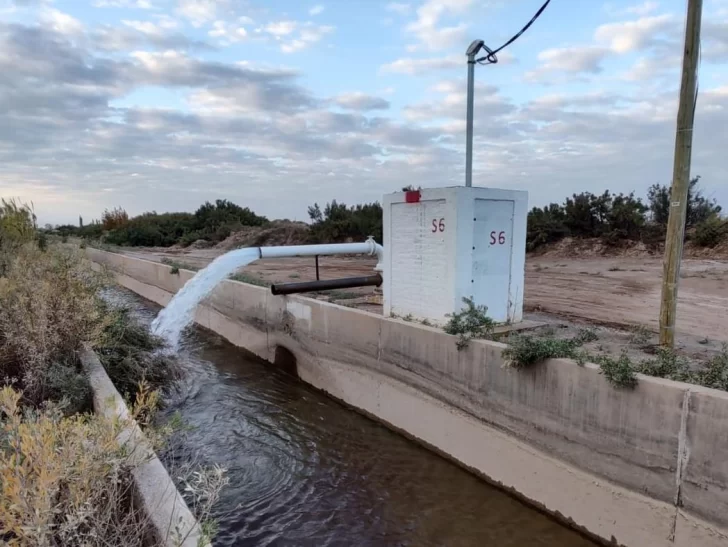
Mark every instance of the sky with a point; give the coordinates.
(160, 105)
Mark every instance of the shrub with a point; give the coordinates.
(114, 219)
(337, 222)
(545, 225)
(469, 323)
(523, 351)
(48, 310)
(526, 350)
(710, 232)
(212, 222)
(17, 228)
(130, 353)
(715, 373)
(64, 480)
(67, 480)
(619, 372)
(667, 364)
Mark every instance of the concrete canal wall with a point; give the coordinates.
(645, 467)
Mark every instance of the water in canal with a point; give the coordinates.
(306, 471)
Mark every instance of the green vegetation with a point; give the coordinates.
(250, 279)
(65, 476)
(212, 222)
(527, 350)
(640, 335)
(612, 218)
(618, 217)
(337, 222)
(620, 372)
(176, 265)
(472, 322)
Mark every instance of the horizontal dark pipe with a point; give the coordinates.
(327, 284)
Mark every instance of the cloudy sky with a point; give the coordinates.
(275, 104)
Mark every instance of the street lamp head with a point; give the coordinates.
(474, 48)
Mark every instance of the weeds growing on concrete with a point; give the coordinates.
(335, 294)
(470, 323)
(250, 279)
(176, 266)
(620, 372)
(526, 350)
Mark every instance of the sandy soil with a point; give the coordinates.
(616, 293)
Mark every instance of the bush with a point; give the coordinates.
(524, 351)
(64, 480)
(710, 233)
(615, 218)
(546, 225)
(67, 480)
(48, 310)
(337, 222)
(114, 219)
(17, 228)
(129, 353)
(619, 372)
(212, 222)
(472, 322)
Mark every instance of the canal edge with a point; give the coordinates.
(172, 521)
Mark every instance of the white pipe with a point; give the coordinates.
(369, 247)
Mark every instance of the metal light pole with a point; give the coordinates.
(473, 50)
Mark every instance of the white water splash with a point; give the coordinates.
(180, 312)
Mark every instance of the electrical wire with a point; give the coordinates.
(491, 58)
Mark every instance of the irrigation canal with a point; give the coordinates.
(306, 471)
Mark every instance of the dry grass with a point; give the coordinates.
(67, 480)
(48, 309)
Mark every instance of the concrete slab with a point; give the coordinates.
(705, 477)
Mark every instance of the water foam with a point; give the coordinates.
(172, 320)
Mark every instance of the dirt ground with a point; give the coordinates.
(619, 296)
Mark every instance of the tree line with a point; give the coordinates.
(610, 217)
(615, 218)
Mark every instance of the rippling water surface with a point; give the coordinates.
(304, 470)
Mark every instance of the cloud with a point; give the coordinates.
(280, 28)
(636, 35)
(575, 60)
(399, 8)
(60, 22)
(361, 101)
(715, 36)
(140, 4)
(199, 12)
(413, 67)
(316, 10)
(231, 32)
(645, 8)
(258, 136)
(451, 106)
(141, 34)
(427, 27)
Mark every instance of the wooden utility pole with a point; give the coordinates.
(681, 175)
